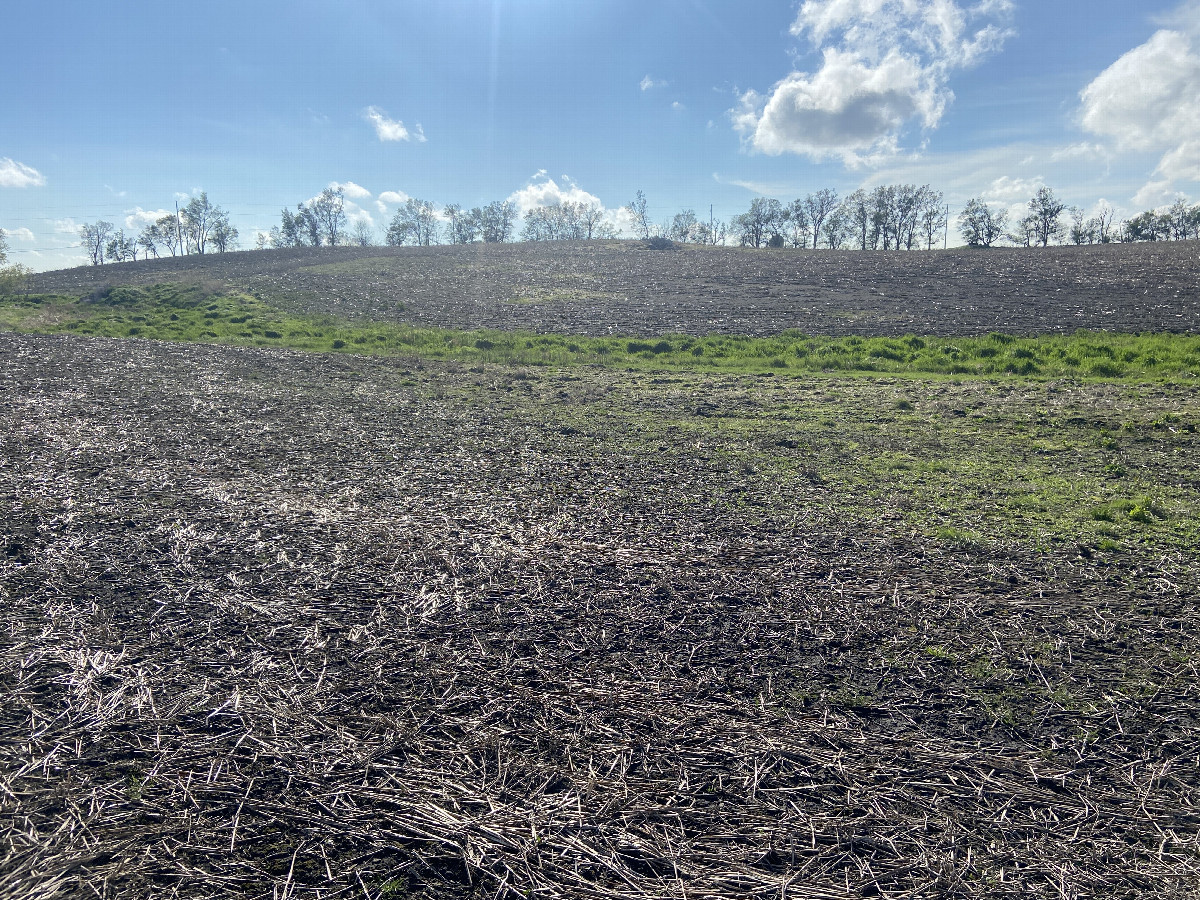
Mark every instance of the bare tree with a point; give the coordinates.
(797, 227)
(763, 221)
(1181, 220)
(414, 223)
(496, 221)
(639, 212)
(94, 239)
(201, 219)
(683, 226)
(224, 234)
(121, 248)
(979, 225)
(167, 233)
(883, 214)
(934, 216)
(858, 209)
(1103, 222)
(149, 239)
(362, 235)
(1024, 232)
(463, 227)
(1046, 210)
(837, 228)
(591, 217)
(328, 211)
(3, 246)
(819, 206)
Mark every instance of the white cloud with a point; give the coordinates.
(648, 83)
(350, 189)
(545, 191)
(677, 106)
(66, 226)
(1080, 150)
(390, 197)
(138, 218)
(1155, 194)
(884, 64)
(356, 214)
(1146, 101)
(392, 129)
(18, 175)
(1012, 190)
(19, 234)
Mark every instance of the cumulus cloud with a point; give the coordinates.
(387, 198)
(350, 189)
(1146, 100)
(66, 226)
(18, 175)
(137, 218)
(392, 129)
(883, 64)
(19, 234)
(543, 190)
(648, 83)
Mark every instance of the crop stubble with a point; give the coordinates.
(287, 626)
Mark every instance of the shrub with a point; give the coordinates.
(658, 242)
(14, 279)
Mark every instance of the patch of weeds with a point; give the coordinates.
(959, 537)
(394, 888)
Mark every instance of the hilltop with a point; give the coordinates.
(619, 287)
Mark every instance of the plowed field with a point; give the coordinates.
(621, 288)
(282, 625)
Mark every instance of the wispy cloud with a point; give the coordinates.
(883, 64)
(392, 129)
(649, 83)
(18, 175)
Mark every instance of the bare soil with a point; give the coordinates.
(278, 625)
(621, 288)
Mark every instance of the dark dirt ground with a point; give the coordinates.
(620, 288)
(278, 625)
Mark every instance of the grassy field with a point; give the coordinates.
(296, 605)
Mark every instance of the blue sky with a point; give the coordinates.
(116, 110)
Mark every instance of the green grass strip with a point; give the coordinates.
(205, 314)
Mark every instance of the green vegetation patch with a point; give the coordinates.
(213, 314)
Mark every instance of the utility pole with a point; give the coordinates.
(712, 237)
(946, 230)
